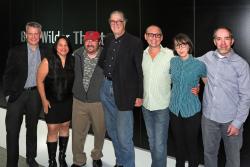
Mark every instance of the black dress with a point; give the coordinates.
(58, 89)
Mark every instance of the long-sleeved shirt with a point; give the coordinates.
(34, 59)
(227, 91)
(185, 75)
(156, 81)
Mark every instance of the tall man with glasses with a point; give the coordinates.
(226, 100)
(22, 96)
(155, 65)
(122, 89)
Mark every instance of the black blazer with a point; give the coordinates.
(127, 76)
(16, 71)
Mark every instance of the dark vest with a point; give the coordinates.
(93, 93)
(59, 81)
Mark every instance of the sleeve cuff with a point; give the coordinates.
(237, 124)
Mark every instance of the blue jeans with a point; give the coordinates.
(119, 126)
(212, 132)
(157, 123)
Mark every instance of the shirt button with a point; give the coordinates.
(114, 50)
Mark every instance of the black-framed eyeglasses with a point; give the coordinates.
(151, 35)
(113, 22)
(180, 45)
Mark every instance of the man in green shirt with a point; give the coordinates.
(155, 65)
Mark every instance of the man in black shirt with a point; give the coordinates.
(122, 88)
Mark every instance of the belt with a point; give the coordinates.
(29, 88)
(108, 78)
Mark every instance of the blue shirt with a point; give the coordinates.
(34, 59)
(227, 91)
(185, 74)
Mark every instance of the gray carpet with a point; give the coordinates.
(3, 158)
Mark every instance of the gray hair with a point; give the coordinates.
(120, 13)
(33, 24)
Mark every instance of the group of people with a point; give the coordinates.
(66, 87)
(100, 86)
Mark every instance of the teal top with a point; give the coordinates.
(185, 74)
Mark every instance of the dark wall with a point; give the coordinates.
(4, 16)
(195, 18)
(234, 14)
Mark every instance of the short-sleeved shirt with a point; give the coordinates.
(156, 79)
(185, 74)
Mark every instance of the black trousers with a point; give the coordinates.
(28, 103)
(185, 132)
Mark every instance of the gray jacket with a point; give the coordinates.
(93, 93)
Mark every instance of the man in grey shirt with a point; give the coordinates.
(226, 100)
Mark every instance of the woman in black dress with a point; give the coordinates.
(55, 78)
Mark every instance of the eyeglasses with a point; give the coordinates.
(117, 22)
(151, 35)
(180, 45)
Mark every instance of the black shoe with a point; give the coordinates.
(118, 165)
(74, 165)
(31, 162)
(52, 147)
(97, 163)
(63, 142)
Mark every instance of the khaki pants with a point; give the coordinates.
(85, 115)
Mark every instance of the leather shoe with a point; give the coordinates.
(74, 165)
(97, 163)
(31, 162)
(118, 165)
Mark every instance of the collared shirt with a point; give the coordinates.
(227, 91)
(156, 81)
(185, 74)
(89, 67)
(112, 53)
(34, 59)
